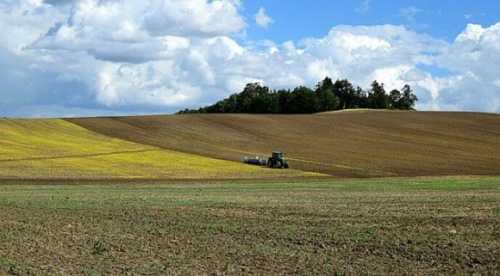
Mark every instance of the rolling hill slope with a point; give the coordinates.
(345, 144)
(57, 149)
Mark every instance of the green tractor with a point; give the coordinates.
(277, 161)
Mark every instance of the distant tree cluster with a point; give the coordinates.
(327, 96)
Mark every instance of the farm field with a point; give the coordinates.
(315, 227)
(342, 144)
(339, 144)
(57, 149)
(369, 191)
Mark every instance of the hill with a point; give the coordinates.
(58, 149)
(344, 144)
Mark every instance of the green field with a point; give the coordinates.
(385, 226)
(57, 149)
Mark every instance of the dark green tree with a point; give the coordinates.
(302, 100)
(377, 98)
(395, 99)
(328, 95)
(283, 101)
(345, 92)
(360, 99)
(326, 99)
(408, 99)
(250, 98)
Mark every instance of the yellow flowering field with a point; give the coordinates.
(54, 148)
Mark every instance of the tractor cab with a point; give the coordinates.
(277, 160)
(277, 155)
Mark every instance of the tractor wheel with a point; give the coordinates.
(279, 164)
(286, 166)
(270, 163)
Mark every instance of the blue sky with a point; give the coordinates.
(121, 57)
(443, 19)
(297, 19)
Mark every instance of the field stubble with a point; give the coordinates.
(386, 226)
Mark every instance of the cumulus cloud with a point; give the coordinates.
(22, 22)
(262, 19)
(474, 58)
(140, 30)
(87, 57)
(126, 54)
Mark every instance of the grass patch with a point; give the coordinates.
(391, 226)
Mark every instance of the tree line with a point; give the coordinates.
(327, 96)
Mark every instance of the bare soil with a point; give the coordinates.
(341, 144)
(442, 226)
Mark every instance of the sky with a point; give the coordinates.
(66, 58)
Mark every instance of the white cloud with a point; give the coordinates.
(118, 85)
(199, 17)
(140, 30)
(472, 33)
(262, 19)
(120, 57)
(474, 58)
(22, 22)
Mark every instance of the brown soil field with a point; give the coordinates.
(342, 144)
(433, 226)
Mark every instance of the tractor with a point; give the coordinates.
(277, 161)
